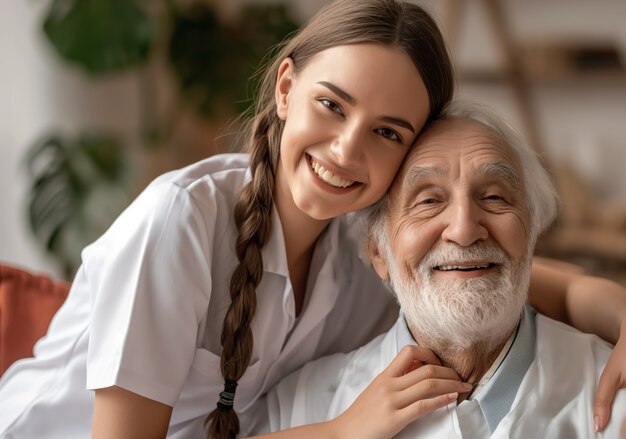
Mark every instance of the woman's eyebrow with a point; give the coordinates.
(400, 122)
(350, 100)
(338, 91)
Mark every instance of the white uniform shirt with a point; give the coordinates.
(544, 388)
(146, 308)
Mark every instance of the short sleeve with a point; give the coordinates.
(150, 284)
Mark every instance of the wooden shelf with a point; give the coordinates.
(596, 242)
(563, 61)
(499, 77)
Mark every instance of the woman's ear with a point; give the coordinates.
(284, 82)
(378, 260)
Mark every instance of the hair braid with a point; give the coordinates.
(253, 220)
(389, 22)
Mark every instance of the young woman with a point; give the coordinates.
(223, 277)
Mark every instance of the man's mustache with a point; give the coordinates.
(451, 254)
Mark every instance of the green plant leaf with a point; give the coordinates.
(214, 61)
(78, 188)
(103, 36)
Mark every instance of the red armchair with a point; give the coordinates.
(27, 304)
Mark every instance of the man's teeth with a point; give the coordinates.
(329, 177)
(461, 267)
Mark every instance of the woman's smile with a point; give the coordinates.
(350, 116)
(331, 178)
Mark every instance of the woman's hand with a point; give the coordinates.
(413, 385)
(612, 379)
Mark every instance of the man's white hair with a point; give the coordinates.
(539, 191)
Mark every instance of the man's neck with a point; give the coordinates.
(469, 363)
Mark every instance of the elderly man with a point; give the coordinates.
(454, 239)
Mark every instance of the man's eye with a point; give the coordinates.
(494, 197)
(331, 105)
(428, 201)
(388, 133)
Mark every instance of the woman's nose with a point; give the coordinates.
(349, 144)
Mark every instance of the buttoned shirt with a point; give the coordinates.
(543, 387)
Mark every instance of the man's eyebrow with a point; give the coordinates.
(418, 172)
(504, 170)
(339, 92)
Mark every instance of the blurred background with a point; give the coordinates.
(98, 97)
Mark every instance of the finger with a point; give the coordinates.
(406, 358)
(607, 387)
(426, 372)
(430, 388)
(416, 364)
(419, 408)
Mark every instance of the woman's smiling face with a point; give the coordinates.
(350, 116)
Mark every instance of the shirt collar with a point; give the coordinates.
(496, 397)
(274, 252)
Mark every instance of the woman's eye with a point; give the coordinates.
(331, 105)
(388, 133)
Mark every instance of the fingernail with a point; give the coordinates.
(468, 386)
(596, 420)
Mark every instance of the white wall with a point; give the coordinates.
(39, 93)
(582, 122)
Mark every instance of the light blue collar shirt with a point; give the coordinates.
(479, 416)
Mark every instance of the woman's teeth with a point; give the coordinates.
(329, 177)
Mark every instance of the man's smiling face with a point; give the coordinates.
(458, 232)
(459, 186)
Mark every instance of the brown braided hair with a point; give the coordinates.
(391, 23)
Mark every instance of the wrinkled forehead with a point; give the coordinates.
(453, 143)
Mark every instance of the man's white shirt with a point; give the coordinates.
(544, 387)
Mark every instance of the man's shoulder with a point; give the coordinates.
(568, 362)
(557, 339)
(563, 382)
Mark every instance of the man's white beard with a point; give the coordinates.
(455, 314)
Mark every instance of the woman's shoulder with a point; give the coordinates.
(221, 169)
(191, 203)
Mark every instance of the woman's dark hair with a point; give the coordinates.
(390, 23)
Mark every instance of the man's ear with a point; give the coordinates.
(378, 260)
(284, 81)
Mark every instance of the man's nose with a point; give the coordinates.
(349, 145)
(464, 224)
